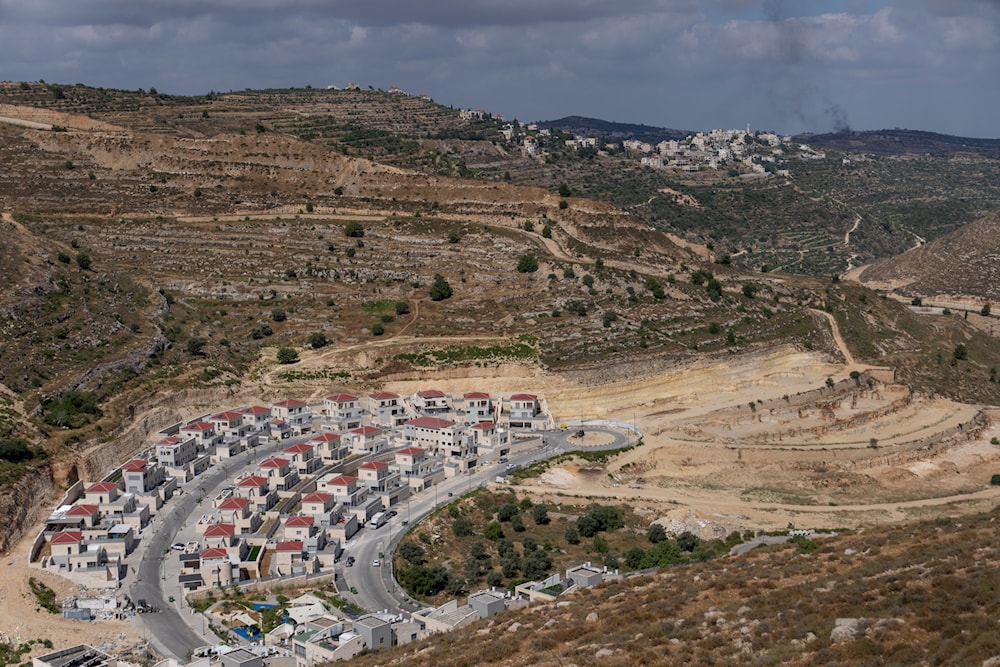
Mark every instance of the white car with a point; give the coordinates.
(376, 563)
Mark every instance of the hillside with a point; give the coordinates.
(902, 595)
(961, 264)
(902, 142)
(613, 132)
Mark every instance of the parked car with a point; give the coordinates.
(350, 561)
(376, 563)
(177, 546)
(502, 459)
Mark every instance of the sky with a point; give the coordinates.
(788, 66)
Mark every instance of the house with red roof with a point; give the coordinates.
(378, 476)
(330, 447)
(295, 412)
(255, 416)
(299, 527)
(318, 502)
(258, 491)
(430, 401)
(221, 535)
(65, 543)
(226, 421)
(89, 515)
(416, 469)
(303, 458)
(490, 440)
(204, 433)
(526, 412)
(101, 493)
(479, 407)
(176, 451)
(218, 568)
(141, 476)
(351, 495)
(366, 440)
(289, 556)
(280, 473)
(238, 511)
(387, 409)
(342, 412)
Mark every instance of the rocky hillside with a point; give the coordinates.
(962, 264)
(920, 594)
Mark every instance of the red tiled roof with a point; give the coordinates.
(366, 430)
(252, 480)
(169, 440)
(482, 425)
(342, 480)
(234, 503)
(81, 510)
(220, 530)
(411, 451)
(374, 465)
(135, 465)
(227, 416)
(290, 545)
(299, 521)
(274, 462)
(289, 403)
(431, 393)
(255, 410)
(214, 552)
(300, 448)
(342, 398)
(325, 437)
(66, 537)
(100, 487)
(198, 426)
(317, 497)
(476, 394)
(430, 422)
(383, 395)
(524, 397)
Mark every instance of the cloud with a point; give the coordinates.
(783, 65)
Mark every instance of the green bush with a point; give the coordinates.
(287, 355)
(440, 290)
(528, 263)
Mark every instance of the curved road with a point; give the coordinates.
(371, 588)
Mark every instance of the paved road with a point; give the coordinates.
(155, 579)
(177, 630)
(374, 588)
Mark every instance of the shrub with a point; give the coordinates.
(287, 355)
(440, 290)
(995, 480)
(528, 263)
(278, 315)
(83, 260)
(354, 229)
(540, 515)
(493, 531)
(195, 346)
(412, 553)
(318, 339)
(402, 308)
(563, 204)
(378, 329)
